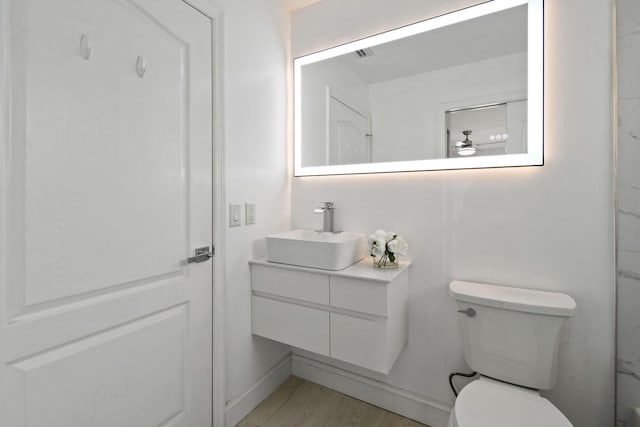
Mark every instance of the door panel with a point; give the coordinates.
(130, 141)
(120, 393)
(108, 190)
(349, 136)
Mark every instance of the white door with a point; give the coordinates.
(349, 139)
(105, 192)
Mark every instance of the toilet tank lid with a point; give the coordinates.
(517, 299)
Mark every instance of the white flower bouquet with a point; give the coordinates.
(385, 247)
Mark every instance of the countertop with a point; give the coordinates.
(363, 270)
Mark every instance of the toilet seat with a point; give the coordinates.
(490, 403)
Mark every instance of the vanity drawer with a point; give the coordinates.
(364, 296)
(300, 285)
(360, 342)
(299, 326)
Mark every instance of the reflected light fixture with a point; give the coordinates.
(466, 147)
(467, 151)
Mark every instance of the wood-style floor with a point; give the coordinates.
(300, 403)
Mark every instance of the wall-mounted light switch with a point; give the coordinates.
(234, 215)
(249, 213)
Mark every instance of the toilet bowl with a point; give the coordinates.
(511, 339)
(490, 403)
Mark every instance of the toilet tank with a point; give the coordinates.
(515, 332)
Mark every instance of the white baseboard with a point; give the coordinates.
(240, 407)
(389, 397)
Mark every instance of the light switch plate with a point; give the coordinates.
(234, 215)
(249, 213)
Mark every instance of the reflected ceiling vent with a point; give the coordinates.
(363, 53)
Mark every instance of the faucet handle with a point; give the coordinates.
(328, 205)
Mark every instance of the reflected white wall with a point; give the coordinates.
(407, 120)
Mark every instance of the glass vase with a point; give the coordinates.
(384, 261)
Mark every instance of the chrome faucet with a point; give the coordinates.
(326, 209)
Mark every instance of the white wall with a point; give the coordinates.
(547, 227)
(255, 115)
(406, 112)
(628, 186)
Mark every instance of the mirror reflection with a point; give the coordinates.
(497, 129)
(449, 93)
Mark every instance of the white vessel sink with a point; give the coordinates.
(309, 248)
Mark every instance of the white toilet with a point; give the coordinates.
(511, 338)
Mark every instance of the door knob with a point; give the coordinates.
(202, 254)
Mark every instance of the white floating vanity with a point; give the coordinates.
(357, 315)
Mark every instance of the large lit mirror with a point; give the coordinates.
(461, 90)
